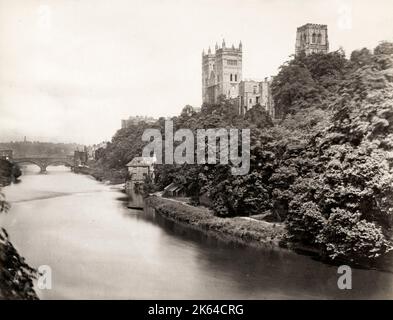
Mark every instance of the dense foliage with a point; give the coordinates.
(343, 202)
(16, 276)
(8, 172)
(325, 168)
(125, 145)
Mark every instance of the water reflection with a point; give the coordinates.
(134, 198)
(98, 248)
(276, 273)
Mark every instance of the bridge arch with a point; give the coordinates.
(29, 161)
(44, 162)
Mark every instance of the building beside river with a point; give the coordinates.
(139, 169)
(80, 158)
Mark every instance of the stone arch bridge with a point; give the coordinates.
(44, 162)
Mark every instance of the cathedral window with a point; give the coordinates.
(314, 38)
(319, 38)
(231, 77)
(235, 77)
(232, 62)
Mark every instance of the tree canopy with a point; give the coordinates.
(325, 169)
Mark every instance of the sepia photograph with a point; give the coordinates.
(196, 155)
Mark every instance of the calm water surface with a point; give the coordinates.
(98, 248)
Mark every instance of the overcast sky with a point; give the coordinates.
(71, 69)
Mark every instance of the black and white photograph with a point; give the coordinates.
(205, 150)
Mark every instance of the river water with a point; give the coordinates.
(98, 248)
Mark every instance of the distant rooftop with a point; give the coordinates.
(311, 25)
(140, 118)
(133, 120)
(141, 162)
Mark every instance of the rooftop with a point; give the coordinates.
(313, 25)
(141, 162)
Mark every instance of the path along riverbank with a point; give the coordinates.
(239, 230)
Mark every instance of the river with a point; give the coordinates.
(98, 248)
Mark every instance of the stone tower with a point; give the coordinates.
(312, 38)
(221, 72)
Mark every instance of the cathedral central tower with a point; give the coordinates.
(312, 38)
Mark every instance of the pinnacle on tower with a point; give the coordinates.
(223, 43)
(209, 52)
(216, 46)
(240, 46)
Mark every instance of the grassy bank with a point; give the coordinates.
(114, 176)
(239, 230)
(245, 231)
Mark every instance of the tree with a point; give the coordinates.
(325, 170)
(16, 276)
(361, 57)
(257, 115)
(343, 201)
(293, 84)
(307, 81)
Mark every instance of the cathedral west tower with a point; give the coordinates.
(221, 72)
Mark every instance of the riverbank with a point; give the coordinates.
(9, 172)
(16, 276)
(93, 226)
(246, 231)
(111, 176)
(238, 230)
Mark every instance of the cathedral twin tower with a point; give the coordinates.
(222, 70)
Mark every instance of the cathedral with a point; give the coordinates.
(222, 75)
(312, 38)
(222, 71)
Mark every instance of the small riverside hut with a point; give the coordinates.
(174, 190)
